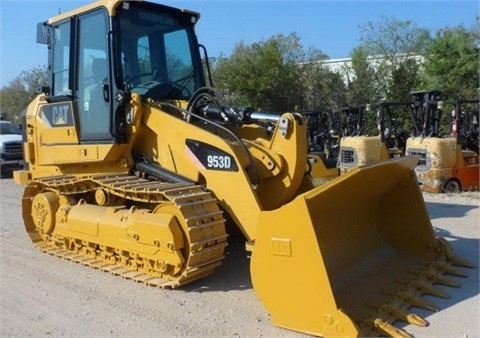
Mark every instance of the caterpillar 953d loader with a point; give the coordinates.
(134, 165)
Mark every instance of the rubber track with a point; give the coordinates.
(205, 254)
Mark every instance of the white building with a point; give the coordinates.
(343, 66)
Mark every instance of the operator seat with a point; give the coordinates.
(95, 107)
(94, 92)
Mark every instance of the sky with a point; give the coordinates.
(330, 26)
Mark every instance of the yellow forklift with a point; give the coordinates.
(323, 144)
(447, 164)
(357, 149)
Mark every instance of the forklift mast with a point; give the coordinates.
(426, 112)
(464, 123)
(388, 129)
(353, 120)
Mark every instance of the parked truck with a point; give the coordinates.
(11, 148)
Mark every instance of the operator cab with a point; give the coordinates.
(104, 51)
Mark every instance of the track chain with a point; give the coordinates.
(198, 207)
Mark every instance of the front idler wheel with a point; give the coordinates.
(44, 208)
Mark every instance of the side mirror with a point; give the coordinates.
(43, 33)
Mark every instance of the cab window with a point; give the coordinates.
(61, 59)
(93, 76)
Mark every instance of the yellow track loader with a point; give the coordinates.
(135, 162)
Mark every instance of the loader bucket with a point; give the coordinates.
(350, 257)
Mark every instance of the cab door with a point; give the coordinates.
(75, 123)
(93, 77)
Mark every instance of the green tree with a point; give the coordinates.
(15, 97)
(391, 37)
(279, 75)
(452, 63)
(322, 88)
(258, 74)
(360, 77)
(388, 65)
(395, 48)
(405, 78)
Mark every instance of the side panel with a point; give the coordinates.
(361, 150)
(56, 134)
(469, 177)
(442, 160)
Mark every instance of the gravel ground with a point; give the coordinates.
(42, 295)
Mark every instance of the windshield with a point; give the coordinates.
(9, 129)
(159, 58)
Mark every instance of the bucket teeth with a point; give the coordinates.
(449, 269)
(412, 299)
(436, 277)
(421, 281)
(414, 319)
(460, 262)
(454, 260)
(400, 314)
(385, 328)
(425, 287)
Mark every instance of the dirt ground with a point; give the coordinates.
(41, 295)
